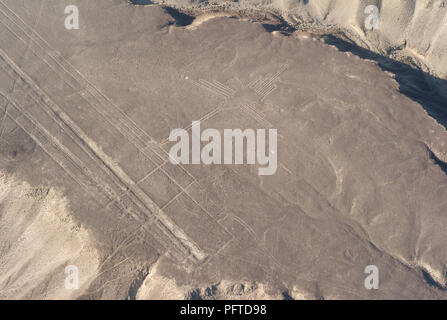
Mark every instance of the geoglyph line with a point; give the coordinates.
(256, 116)
(264, 82)
(263, 86)
(229, 90)
(54, 151)
(215, 87)
(107, 163)
(115, 122)
(209, 86)
(58, 152)
(207, 116)
(122, 126)
(119, 119)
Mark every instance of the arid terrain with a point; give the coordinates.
(86, 178)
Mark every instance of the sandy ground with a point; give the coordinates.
(38, 240)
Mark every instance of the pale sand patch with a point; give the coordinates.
(38, 239)
(206, 17)
(158, 287)
(299, 294)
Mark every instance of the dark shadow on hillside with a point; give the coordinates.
(280, 25)
(140, 2)
(286, 295)
(438, 161)
(429, 91)
(285, 29)
(181, 19)
(429, 279)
